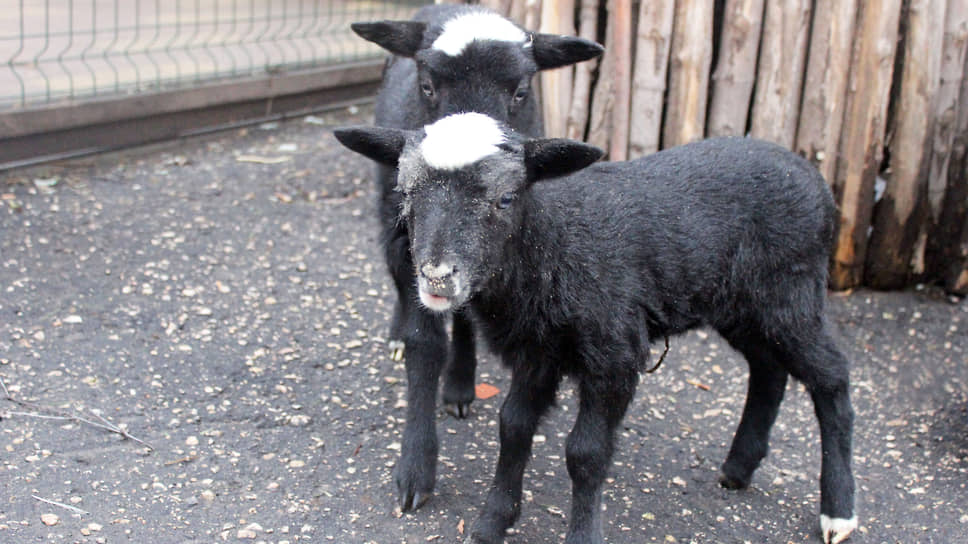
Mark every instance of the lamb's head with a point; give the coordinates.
(478, 61)
(466, 183)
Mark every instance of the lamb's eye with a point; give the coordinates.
(505, 201)
(427, 88)
(520, 94)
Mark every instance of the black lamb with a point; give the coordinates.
(577, 275)
(448, 59)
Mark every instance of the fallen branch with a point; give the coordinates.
(62, 415)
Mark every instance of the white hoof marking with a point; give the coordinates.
(836, 530)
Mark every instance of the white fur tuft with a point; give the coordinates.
(480, 25)
(460, 139)
(836, 530)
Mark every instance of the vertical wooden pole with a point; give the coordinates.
(531, 16)
(953, 57)
(779, 76)
(557, 17)
(899, 215)
(581, 92)
(735, 67)
(950, 237)
(501, 6)
(689, 72)
(825, 87)
(606, 89)
(653, 40)
(618, 146)
(859, 160)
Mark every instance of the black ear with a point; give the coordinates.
(398, 37)
(552, 157)
(381, 144)
(553, 51)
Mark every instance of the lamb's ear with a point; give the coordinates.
(398, 37)
(552, 157)
(553, 51)
(381, 144)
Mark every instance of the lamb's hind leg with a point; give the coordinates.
(812, 357)
(824, 371)
(767, 384)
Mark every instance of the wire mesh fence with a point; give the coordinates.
(65, 50)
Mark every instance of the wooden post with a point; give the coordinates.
(735, 67)
(531, 13)
(949, 255)
(899, 215)
(783, 54)
(581, 92)
(859, 159)
(501, 6)
(825, 87)
(654, 37)
(557, 17)
(689, 72)
(610, 100)
(618, 148)
(953, 57)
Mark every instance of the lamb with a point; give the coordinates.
(571, 268)
(448, 59)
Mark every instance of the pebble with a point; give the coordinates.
(50, 519)
(300, 420)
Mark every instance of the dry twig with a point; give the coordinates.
(60, 414)
(74, 509)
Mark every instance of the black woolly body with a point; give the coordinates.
(578, 274)
(648, 248)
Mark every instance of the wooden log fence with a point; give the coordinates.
(875, 94)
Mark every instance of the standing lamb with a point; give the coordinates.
(448, 59)
(579, 274)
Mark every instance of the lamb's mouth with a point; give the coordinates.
(435, 302)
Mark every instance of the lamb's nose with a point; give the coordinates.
(437, 272)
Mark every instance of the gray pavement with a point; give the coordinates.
(224, 300)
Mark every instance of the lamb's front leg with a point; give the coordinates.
(528, 399)
(588, 452)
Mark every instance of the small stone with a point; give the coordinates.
(207, 495)
(50, 519)
(246, 534)
(679, 481)
(73, 320)
(300, 420)
(297, 463)
(191, 441)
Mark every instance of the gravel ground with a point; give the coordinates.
(223, 302)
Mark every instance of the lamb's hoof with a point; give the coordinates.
(732, 483)
(460, 410)
(412, 502)
(836, 530)
(396, 349)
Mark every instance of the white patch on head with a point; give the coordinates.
(460, 139)
(479, 25)
(836, 530)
